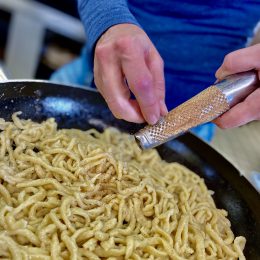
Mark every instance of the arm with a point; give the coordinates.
(125, 60)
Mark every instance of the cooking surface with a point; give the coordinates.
(80, 108)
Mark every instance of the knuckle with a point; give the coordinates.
(124, 44)
(228, 61)
(143, 84)
(102, 51)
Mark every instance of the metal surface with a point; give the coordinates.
(200, 109)
(145, 137)
(2, 75)
(237, 87)
(80, 108)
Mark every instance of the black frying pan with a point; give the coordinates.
(75, 107)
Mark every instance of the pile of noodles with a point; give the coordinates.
(72, 194)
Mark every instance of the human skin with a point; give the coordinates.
(248, 110)
(124, 53)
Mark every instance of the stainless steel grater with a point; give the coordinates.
(202, 108)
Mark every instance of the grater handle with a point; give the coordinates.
(238, 86)
(202, 108)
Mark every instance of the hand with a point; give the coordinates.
(249, 109)
(124, 53)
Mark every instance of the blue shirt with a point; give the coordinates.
(191, 36)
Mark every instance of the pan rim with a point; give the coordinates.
(238, 183)
(48, 82)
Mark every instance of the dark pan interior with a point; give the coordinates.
(75, 107)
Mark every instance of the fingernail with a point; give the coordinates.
(163, 108)
(153, 119)
(220, 75)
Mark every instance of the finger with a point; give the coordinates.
(110, 82)
(242, 113)
(239, 61)
(140, 82)
(117, 97)
(156, 66)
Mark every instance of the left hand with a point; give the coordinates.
(248, 110)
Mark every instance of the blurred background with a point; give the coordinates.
(38, 36)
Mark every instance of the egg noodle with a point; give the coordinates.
(72, 194)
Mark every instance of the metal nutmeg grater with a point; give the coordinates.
(202, 108)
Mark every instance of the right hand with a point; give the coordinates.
(249, 109)
(125, 53)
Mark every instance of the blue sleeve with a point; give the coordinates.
(98, 15)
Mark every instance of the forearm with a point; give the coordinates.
(98, 16)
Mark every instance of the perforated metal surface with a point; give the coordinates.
(200, 109)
